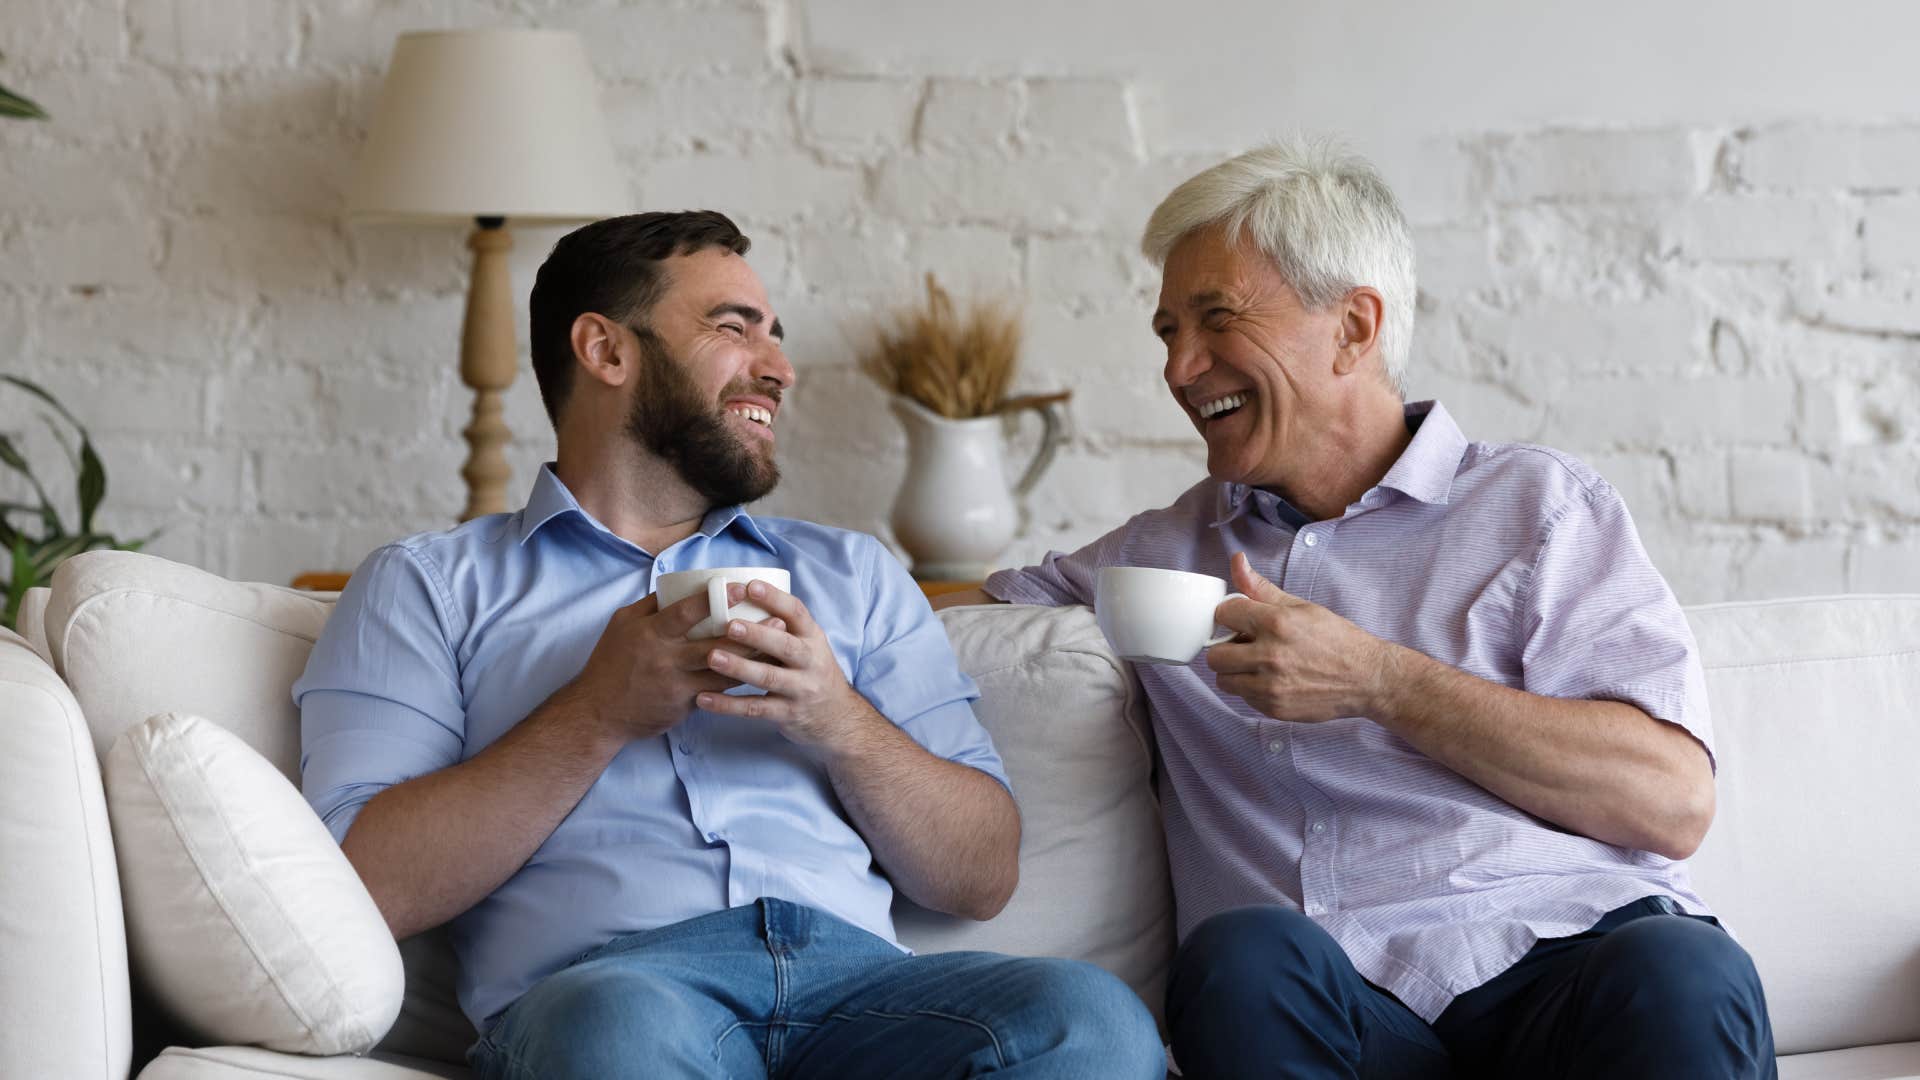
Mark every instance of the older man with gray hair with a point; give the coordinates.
(1428, 810)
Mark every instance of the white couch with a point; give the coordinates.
(1814, 859)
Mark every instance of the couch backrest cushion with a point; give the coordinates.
(1093, 865)
(1814, 857)
(64, 1005)
(136, 635)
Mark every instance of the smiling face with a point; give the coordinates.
(711, 377)
(1251, 365)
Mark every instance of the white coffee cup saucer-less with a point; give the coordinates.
(1154, 616)
(681, 584)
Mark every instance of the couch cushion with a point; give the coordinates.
(1093, 867)
(63, 953)
(136, 635)
(241, 909)
(1814, 857)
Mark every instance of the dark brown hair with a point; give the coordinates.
(612, 268)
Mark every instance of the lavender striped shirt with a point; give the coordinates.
(1514, 563)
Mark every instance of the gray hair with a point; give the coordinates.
(1321, 213)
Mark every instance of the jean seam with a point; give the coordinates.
(999, 1052)
(512, 1060)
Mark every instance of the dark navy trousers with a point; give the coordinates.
(1647, 993)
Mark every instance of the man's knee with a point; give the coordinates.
(1683, 981)
(1255, 950)
(1080, 1014)
(598, 1020)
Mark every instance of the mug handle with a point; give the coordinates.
(1224, 638)
(717, 609)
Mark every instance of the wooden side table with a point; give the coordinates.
(326, 581)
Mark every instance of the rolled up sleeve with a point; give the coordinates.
(1600, 623)
(909, 673)
(1061, 579)
(380, 700)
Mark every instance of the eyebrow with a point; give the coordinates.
(752, 314)
(1204, 298)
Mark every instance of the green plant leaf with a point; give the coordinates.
(11, 457)
(12, 104)
(92, 484)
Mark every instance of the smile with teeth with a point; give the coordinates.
(1221, 405)
(755, 413)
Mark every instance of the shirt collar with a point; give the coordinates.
(550, 499)
(1428, 465)
(1424, 470)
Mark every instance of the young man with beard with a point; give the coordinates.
(646, 875)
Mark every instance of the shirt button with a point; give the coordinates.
(1311, 539)
(1319, 827)
(713, 838)
(1276, 745)
(1316, 909)
(680, 748)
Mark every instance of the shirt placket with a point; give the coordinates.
(689, 751)
(1320, 827)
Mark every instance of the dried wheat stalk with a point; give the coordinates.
(957, 366)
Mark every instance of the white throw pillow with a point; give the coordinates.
(242, 912)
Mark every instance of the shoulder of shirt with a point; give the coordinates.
(1557, 477)
(803, 533)
(435, 549)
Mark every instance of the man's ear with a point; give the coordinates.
(604, 349)
(1358, 336)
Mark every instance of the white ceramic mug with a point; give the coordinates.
(1155, 616)
(681, 584)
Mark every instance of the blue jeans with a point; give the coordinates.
(774, 989)
(1646, 993)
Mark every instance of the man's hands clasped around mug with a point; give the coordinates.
(807, 695)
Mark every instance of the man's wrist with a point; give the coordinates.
(1399, 674)
(576, 714)
(856, 735)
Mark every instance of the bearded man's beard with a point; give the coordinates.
(674, 420)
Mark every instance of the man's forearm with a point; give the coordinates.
(436, 845)
(1603, 769)
(946, 834)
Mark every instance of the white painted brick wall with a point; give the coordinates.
(1722, 313)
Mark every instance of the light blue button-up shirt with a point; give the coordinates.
(442, 642)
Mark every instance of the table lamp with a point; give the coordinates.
(488, 126)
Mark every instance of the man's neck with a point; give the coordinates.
(638, 497)
(1354, 456)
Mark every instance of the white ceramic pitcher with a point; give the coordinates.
(955, 513)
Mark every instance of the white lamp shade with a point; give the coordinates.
(488, 123)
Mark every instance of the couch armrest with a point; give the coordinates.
(63, 947)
